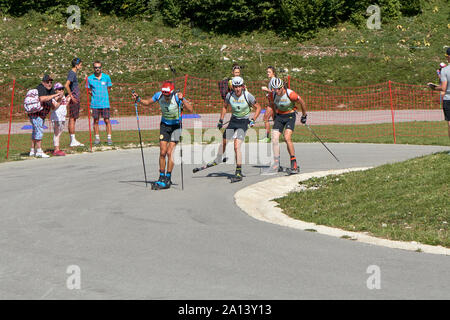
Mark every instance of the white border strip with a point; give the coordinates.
(254, 200)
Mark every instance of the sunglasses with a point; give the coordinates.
(97, 67)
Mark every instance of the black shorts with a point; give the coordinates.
(284, 121)
(446, 108)
(236, 129)
(97, 113)
(74, 108)
(169, 133)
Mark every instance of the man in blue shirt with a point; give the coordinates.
(99, 85)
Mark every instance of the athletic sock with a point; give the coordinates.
(72, 137)
(267, 135)
(109, 137)
(39, 150)
(97, 137)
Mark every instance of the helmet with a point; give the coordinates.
(442, 65)
(276, 83)
(167, 88)
(237, 81)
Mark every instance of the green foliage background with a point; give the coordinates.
(290, 18)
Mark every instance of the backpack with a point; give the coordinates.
(223, 88)
(31, 102)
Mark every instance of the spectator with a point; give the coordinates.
(74, 94)
(58, 117)
(99, 85)
(225, 85)
(37, 119)
(444, 87)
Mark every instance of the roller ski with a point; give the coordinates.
(237, 177)
(209, 165)
(163, 182)
(273, 169)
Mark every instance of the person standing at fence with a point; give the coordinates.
(269, 112)
(241, 102)
(58, 116)
(438, 71)
(99, 84)
(75, 95)
(285, 116)
(171, 104)
(37, 119)
(444, 87)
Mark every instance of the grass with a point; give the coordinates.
(432, 133)
(405, 201)
(406, 50)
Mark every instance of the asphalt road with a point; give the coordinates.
(129, 242)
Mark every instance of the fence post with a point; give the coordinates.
(289, 82)
(89, 112)
(185, 84)
(10, 118)
(392, 110)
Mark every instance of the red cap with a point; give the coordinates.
(167, 88)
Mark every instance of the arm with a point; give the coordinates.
(258, 110)
(145, 102)
(302, 105)
(48, 98)
(224, 111)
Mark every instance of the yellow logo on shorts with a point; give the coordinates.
(161, 137)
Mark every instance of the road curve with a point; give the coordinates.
(93, 211)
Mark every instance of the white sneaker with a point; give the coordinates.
(76, 143)
(42, 155)
(32, 154)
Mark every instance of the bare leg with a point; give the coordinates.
(267, 116)
(289, 144)
(163, 146)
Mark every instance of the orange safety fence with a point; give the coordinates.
(388, 103)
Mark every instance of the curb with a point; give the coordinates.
(253, 200)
